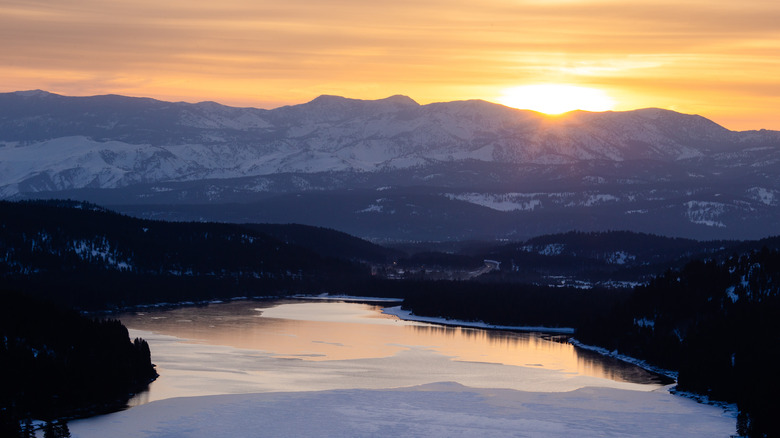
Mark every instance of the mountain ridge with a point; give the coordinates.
(615, 169)
(330, 133)
(399, 99)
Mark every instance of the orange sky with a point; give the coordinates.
(716, 58)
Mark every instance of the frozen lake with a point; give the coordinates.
(297, 346)
(256, 346)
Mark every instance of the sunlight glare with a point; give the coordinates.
(556, 99)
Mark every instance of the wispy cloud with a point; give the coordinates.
(257, 52)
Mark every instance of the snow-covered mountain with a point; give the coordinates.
(392, 168)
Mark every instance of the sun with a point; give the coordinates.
(556, 98)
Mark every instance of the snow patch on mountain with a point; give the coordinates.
(102, 250)
(644, 322)
(599, 199)
(551, 249)
(500, 201)
(763, 195)
(705, 213)
(731, 294)
(259, 185)
(373, 208)
(77, 162)
(620, 258)
(215, 116)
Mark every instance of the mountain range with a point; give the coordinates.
(395, 170)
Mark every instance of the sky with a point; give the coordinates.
(716, 58)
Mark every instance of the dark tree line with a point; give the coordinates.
(506, 304)
(715, 322)
(605, 256)
(82, 255)
(56, 363)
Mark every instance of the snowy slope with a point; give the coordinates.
(473, 168)
(51, 142)
(434, 410)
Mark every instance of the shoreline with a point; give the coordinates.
(555, 333)
(730, 408)
(347, 298)
(188, 303)
(632, 360)
(408, 316)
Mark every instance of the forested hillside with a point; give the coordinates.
(715, 322)
(608, 259)
(327, 242)
(508, 304)
(83, 255)
(55, 362)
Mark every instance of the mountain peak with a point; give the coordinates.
(330, 108)
(329, 98)
(33, 93)
(399, 100)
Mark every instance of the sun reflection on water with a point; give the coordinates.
(338, 331)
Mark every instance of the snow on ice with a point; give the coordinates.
(434, 410)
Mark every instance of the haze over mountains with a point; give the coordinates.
(392, 169)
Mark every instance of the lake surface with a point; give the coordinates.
(299, 345)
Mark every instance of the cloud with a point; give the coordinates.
(427, 48)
